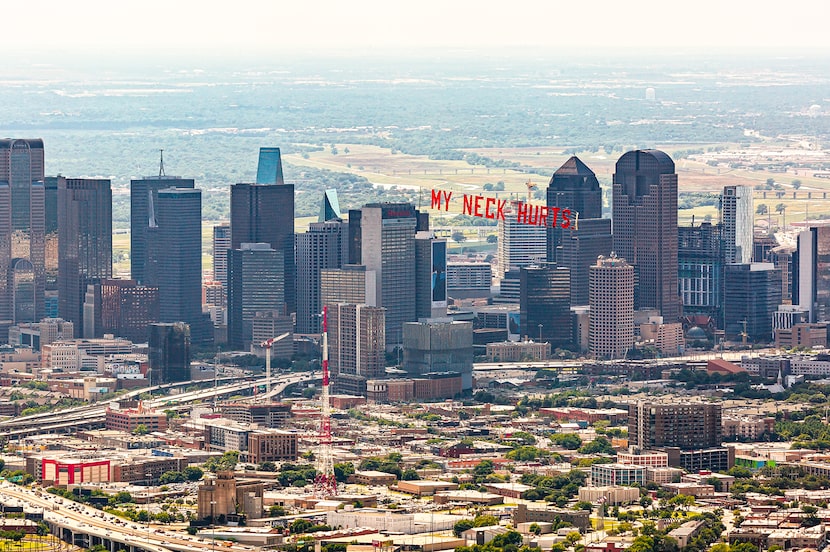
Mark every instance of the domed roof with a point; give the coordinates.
(696, 333)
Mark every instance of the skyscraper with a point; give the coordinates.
(264, 213)
(430, 276)
(687, 426)
(700, 270)
(348, 284)
(51, 202)
(544, 305)
(811, 281)
(22, 232)
(175, 260)
(323, 246)
(122, 308)
(519, 244)
(578, 251)
(221, 244)
(383, 235)
(255, 284)
(169, 353)
(357, 342)
(752, 293)
(645, 228)
(611, 329)
(738, 221)
(143, 216)
(85, 243)
(573, 186)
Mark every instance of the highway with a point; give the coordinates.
(93, 416)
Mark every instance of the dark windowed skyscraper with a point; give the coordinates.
(700, 270)
(169, 353)
(22, 232)
(544, 305)
(175, 259)
(143, 212)
(573, 186)
(85, 243)
(255, 280)
(645, 228)
(264, 213)
(323, 246)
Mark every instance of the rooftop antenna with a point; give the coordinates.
(161, 163)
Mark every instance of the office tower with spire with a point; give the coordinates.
(611, 318)
(324, 246)
(143, 207)
(85, 243)
(263, 212)
(573, 186)
(22, 232)
(175, 260)
(645, 228)
(738, 223)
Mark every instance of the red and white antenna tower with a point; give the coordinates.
(325, 485)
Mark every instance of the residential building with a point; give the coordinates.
(356, 339)
(349, 284)
(603, 475)
(738, 221)
(686, 425)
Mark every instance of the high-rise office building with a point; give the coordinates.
(121, 308)
(738, 221)
(22, 232)
(752, 293)
(430, 276)
(323, 246)
(329, 206)
(611, 326)
(519, 244)
(382, 238)
(255, 284)
(143, 217)
(687, 426)
(573, 186)
(544, 305)
(348, 284)
(700, 272)
(174, 253)
(578, 251)
(264, 213)
(811, 281)
(169, 353)
(439, 345)
(51, 201)
(357, 344)
(85, 243)
(645, 228)
(221, 244)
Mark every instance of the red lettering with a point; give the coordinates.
(543, 216)
(555, 212)
(487, 205)
(566, 218)
(533, 215)
(500, 208)
(478, 206)
(436, 199)
(467, 208)
(521, 212)
(447, 196)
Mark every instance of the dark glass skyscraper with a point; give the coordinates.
(700, 270)
(544, 304)
(85, 243)
(323, 246)
(645, 228)
(169, 353)
(143, 212)
(573, 186)
(22, 232)
(264, 213)
(175, 259)
(255, 284)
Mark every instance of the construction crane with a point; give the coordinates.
(530, 187)
(267, 346)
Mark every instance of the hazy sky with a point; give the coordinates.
(243, 25)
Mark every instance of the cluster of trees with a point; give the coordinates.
(226, 462)
(511, 541)
(190, 473)
(558, 489)
(296, 475)
(303, 526)
(391, 463)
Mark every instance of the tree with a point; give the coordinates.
(461, 526)
(410, 475)
(141, 429)
(123, 497)
(492, 238)
(458, 237)
(342, 471)
(535, 529)
(193, 473)
(796, 184)
(267, 466)
(172, 477)
(761, 209)
(276, 511)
